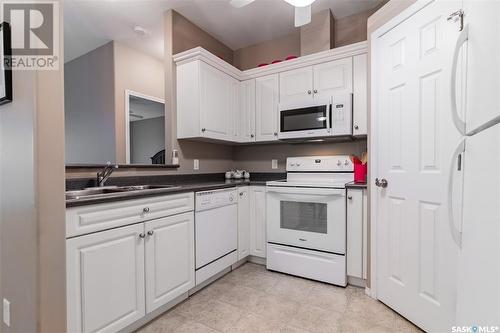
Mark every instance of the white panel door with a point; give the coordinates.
(482, 26)
(360, 95)
(247, 111)
(266, 108)
(105, 280)
(169, 259)
(334, 77)
(416, 253)
(243, 222)
(296, 85)
(354, 250)
(215, 102)
(258, 221)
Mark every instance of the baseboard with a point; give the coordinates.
(239, 263)
(156, 313)
(257, 260)
(209, 281)
(355, 281)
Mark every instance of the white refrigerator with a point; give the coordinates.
(477, 165)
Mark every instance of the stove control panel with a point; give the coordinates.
(337, 163)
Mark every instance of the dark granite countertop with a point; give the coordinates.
(355, 185)
(183, 183)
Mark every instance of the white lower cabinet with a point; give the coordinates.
(243, 222)
(105, 280)
(169, 259)
(115, 277)
(356, 233)
(258, 221)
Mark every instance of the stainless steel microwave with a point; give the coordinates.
(316, 118)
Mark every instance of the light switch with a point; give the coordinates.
(274, 164)
(6, 312)
(196, 165)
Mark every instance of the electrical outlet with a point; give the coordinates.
(196, 164)
(274, 164)
(6, 312)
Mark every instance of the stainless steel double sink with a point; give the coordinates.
(102, 192)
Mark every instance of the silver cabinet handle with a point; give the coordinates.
(142, 235)
(145, 210)
(309, 92)
(315, 91)
(251, 135)
(203, 129)
(349, 197)
(241, 194)
(381, 182)
(275, 133)
(151, 232)
(356, 127)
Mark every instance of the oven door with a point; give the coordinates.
(312, 218)
(304, 120)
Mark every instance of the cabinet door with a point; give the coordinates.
(266, 108)
(355, 232)
(214, 103)
(331, 78)
(247, 111)
(258, 221)
(243, 222)
(105, 280)
(296, 85)
(234, 109)
(169, 259)
(360, 92)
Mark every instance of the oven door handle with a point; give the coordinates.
(306, 190)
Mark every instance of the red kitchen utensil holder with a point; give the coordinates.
(360, 173)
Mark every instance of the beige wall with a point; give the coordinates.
(265, 52)
(187, 35)
(318, 35)
(134, 70)
(258, 158)
(352, 29)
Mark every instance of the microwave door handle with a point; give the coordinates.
(329, 116)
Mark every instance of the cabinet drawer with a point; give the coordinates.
(92, 218)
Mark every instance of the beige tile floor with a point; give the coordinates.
(252, 299)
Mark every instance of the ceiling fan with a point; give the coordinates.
(302, 9)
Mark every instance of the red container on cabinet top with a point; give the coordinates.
(360, 173)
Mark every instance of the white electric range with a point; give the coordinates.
(306, 218)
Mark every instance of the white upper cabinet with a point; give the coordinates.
(169, 258)
(247, 111)
(216, 101)
(206, 101)
(334, 77)
(360, 95)
(266, 108)
(296, 85)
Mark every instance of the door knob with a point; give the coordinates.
(151, 232)
(142, 235)
(309, 92)
(381, 182)
(315, 91)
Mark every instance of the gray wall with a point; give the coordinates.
(147, 137)
(89, 107)
(18, 220)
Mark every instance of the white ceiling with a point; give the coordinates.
(89, 24)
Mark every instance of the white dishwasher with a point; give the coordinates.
(216, 232)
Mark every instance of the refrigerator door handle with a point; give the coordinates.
(462, 38)
(456, 233)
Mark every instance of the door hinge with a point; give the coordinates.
(459, 14)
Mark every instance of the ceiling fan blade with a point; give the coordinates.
(240, 3)
(302, 15)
